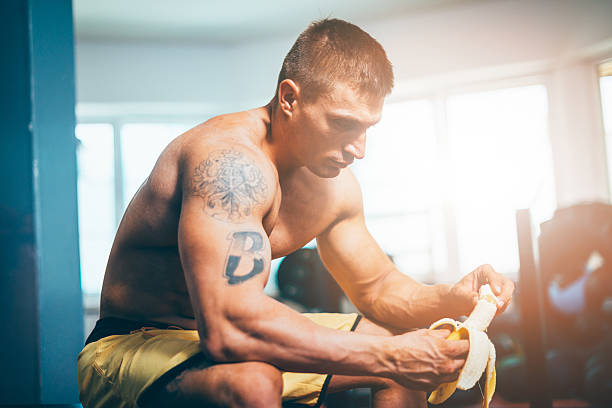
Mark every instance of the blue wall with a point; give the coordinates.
(40, 296)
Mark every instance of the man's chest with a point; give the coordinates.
(303, 214)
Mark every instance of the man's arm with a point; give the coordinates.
(225, 255)
(374, 284)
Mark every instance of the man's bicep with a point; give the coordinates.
(225, 268)
(214, 253)
(223, 247)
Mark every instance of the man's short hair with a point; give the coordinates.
(331, 51)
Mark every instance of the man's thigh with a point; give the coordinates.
(197, 383)
(221, 384)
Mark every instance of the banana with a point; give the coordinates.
(481, 356)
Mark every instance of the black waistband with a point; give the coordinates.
(109, 326)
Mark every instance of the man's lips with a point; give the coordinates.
(340, 164)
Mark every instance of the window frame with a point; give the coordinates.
(117, 123)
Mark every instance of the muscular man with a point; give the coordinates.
(184, 319)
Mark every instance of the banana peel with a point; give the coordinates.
(481, 356)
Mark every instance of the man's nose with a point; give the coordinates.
(356, 148)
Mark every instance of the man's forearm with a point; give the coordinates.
(402, 303)
(269, 331)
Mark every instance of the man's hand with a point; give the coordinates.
(424, 359)
(463, 296)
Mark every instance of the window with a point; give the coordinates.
(96, 194)
(500, 162)
(442, 180)
(605, 83)
(111, 168)
(141, 145)
(399, 177)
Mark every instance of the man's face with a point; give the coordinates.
(330, 132)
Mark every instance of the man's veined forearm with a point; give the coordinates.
(402, 303)
(266, 330)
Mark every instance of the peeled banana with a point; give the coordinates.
(481, 355)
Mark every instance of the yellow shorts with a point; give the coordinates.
(115, 370)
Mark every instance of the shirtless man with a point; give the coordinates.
(184, 319)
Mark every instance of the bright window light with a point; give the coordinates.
(500, 162)
(96, 194)
(141, 145)
(606, 105)
(398, 177)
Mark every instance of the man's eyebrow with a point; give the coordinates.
(352, 120)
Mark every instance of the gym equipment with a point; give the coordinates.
(302, 278)
(513, 371)
(597, 386)
(564, 369)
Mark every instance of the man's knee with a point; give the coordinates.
(249, 384)
(257, 385)
(387, 391)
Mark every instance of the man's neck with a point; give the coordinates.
(277, 143)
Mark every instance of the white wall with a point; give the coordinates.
(233, 76)
(492, 33)
(432, 50)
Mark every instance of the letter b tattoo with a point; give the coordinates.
(245, 259)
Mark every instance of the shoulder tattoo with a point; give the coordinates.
(231, 185)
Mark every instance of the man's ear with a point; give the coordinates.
(288, 95)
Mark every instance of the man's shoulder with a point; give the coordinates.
(348, 193)
(225, 139)
(342, 195)
(219, 155)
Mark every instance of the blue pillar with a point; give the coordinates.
(40, 293)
